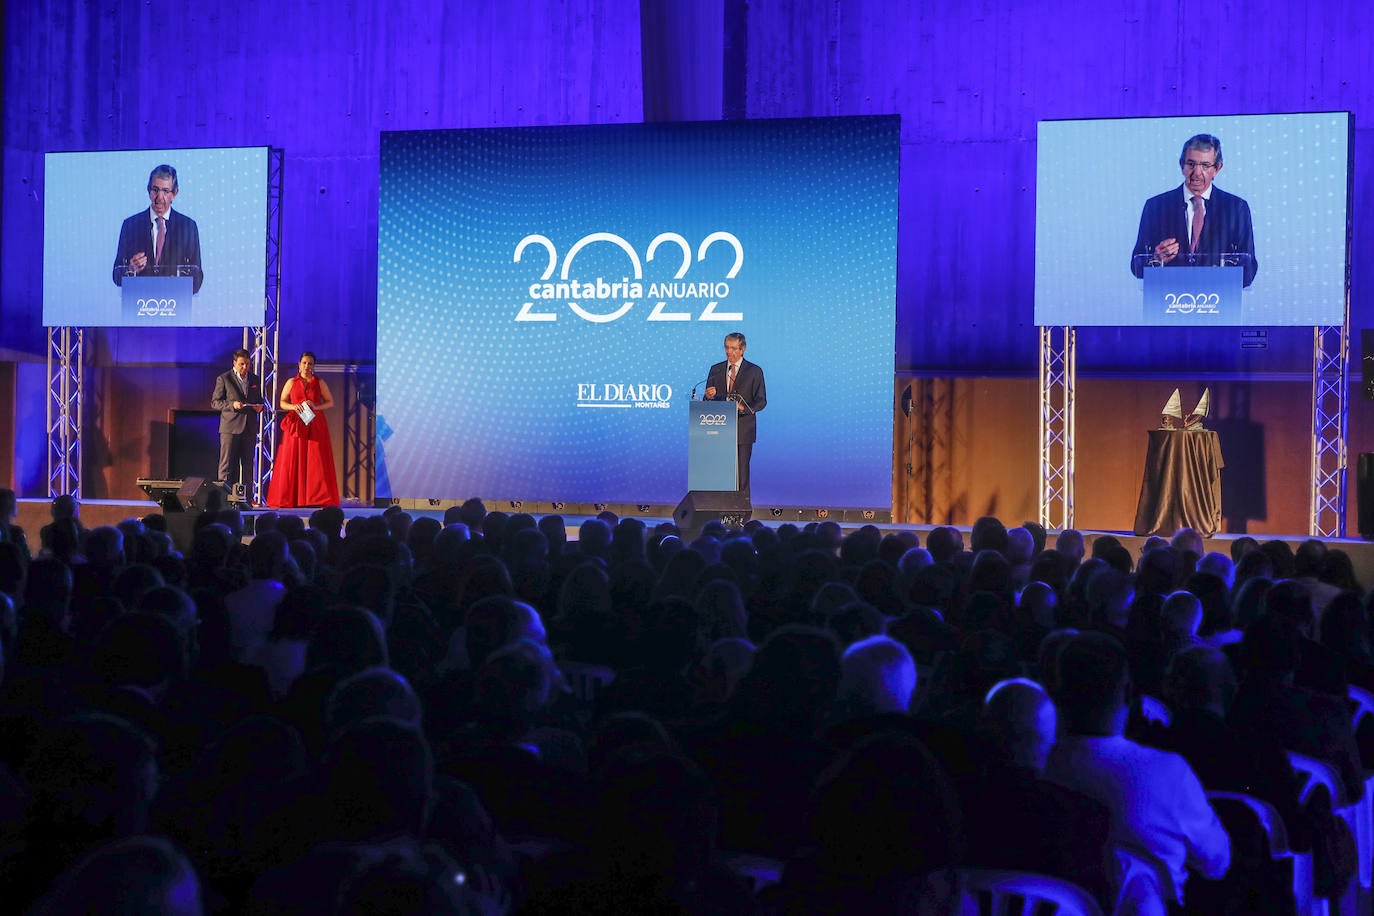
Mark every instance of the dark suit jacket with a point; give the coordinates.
(749, 386)
(1300, 720)
(1226, 229)
(181, 247)
(227, 391)
(1016, 820)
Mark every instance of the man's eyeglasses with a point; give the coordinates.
(1194, 166)
(166, 192)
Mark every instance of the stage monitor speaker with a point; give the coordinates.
(1364, 494)
(700, 507)
(186, 494)
(199, 494)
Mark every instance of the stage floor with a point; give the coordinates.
(33, 515)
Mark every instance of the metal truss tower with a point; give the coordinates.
(64, 412)
(1330, 423)
(261, 342)
(1058, 368)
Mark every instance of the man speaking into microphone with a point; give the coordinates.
(736, 379)
(159, 242)
(1196, 223)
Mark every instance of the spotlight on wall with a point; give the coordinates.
(822, 513)
(642, 507)
(775, 512)
(558, 505)
(869, 515)
(516, 504)
(434, 502)
(599, 507)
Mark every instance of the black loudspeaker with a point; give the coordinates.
(1364, 494)
(700, 507)
(199, 493)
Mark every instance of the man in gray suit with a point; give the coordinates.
(238, 398)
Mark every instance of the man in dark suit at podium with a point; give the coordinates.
(1196, 223)
(238, 398)
(159, 242)
(736, 379)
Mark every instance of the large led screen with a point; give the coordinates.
(1276, 204)
(99, 212)
(549, 298)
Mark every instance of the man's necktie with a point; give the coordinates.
(161, 237)
(1199, 212)
(730, 380)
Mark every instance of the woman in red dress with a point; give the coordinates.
(303, 472)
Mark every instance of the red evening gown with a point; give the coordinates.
(303, 472)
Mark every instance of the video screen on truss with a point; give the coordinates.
(108, 261)
(550, 297)
(1115, 215)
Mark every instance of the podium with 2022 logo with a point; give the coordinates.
(712, 472)
(1197, 290)
(711, 440)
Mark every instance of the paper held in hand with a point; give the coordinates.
(306, 413)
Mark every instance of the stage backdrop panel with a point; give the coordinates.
(1092, 181)
(88, 195)
(548, 297)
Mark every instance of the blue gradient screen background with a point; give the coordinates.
(86, 198)
(485, 390)
(1093, 178)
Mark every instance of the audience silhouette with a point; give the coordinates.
(388, 713)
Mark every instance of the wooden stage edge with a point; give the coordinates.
(33, 515)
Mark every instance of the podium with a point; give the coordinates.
(156, 300)
(1194, 289)
(712, 472)
(712, 433)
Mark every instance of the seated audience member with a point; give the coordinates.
(253, 607)
(1281, 556)
(1017, 820)
(1269, 706)
(1339, 570)
(1308, 562)
(988, 533)
(1188, 540)
(1036, 615)
(773, 716)
(877, 676)
(1345, 630)
(11, 533)
(1019, 551)
(373, 808)
(45, 640)
(944, 543)
(1179, 618)
(652, 836)
(92, 779)
(1155, 801)
(1219, 565)
(499, 757)
(1200, 689)
(1253, 565)
(1217, 627)
(1319, 668)
(130, 877)
(1070, 544)
(886, 786)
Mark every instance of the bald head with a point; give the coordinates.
(1018, 724)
